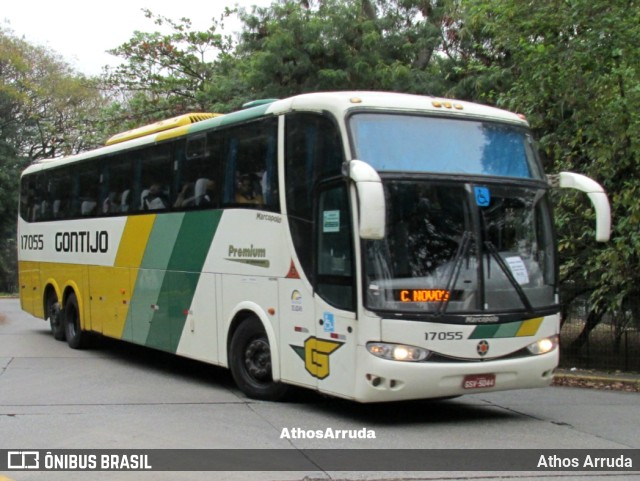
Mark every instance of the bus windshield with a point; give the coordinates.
(459, 247)
(456, 246)
(412, 143)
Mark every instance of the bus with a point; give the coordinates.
(371, 246)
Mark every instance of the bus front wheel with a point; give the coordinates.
(76, 337)
(250, 362)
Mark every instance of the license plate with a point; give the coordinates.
(479, 381)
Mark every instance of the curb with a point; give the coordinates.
(615, 380)
(602, 377)
(598, 378)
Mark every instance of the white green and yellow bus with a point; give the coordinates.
(371, 246)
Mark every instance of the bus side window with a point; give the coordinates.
(59, 190)
(269, 173)
(84, 190)
(41, 203)
(313, 152)
(117, 194)
(250, 170)
(28, 198)
(157, 169)
(198, 173)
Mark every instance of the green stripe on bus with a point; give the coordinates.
(483, 332)
(161, 241)
(510, 329)
(149, 280)
(194, 240)
(179, 284)
(229, 119)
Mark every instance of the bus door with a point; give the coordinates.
(331, 354)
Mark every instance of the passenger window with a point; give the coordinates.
(156, 179)
(251, 175)
(30, 198)
(84, 186)
(117, 194)
(59, 188)
(198, 184)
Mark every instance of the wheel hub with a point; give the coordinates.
(258, 360)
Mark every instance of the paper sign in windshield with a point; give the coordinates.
(518, 269)
(331, 221)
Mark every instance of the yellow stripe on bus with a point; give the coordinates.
(169, 134)
(134, 240)
(530, 327)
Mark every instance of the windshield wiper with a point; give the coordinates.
(507, 272)
(463, 248)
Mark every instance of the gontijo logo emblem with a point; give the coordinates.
(315, 355)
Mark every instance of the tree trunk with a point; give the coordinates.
(593, 319)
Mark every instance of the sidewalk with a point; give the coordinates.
(594, 379)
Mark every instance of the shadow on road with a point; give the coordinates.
(399, 413)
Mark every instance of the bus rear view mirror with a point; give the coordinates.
(370, 198)
(597, 195)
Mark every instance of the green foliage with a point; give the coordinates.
(165, 74)
(46, 110)
(292, 48)
(572, 67)
(285, 49)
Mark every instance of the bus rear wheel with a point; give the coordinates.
(54, 314)
(250, 362)
(76, 337)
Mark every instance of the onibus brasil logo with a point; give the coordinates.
(315, 354)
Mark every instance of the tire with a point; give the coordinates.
(54, 314)
(250, 362)
(76, 337)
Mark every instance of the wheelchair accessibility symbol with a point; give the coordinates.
(483, 196)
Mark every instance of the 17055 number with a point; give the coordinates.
(444, 336)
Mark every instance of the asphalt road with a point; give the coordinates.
(116, 396)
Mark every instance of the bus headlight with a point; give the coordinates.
(397, 352)
(543, 346)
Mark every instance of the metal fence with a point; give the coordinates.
(613, 345)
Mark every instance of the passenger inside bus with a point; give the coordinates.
(199, 194)
(124, 200)
(111, 203)
(248, 190)
(185, 196)
(204, 192)
(154, 198)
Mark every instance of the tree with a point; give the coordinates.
(287, 48)
(165, 74)
(46, 110)
(572, 68)
(295, 47)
